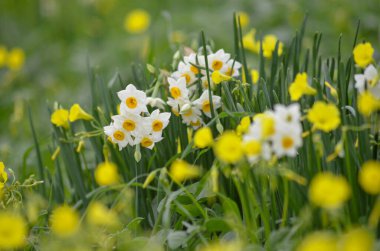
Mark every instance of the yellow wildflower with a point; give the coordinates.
(333, 91)
(243, 127)
(137, 21)
(300, 87)
(325, 117)
(269, 45)
(368, 103)
(255, 76)
(106, 174)
(180, 171)
(15, 59)
(13, 231)
(357, 239)
(243, 17)
(60, 118)
(99, 215)
(64, 221)
(369, 177)
(203, 137)
(363, 54)
(329, 191)
(250, 43)
(229, 147)
(3, 175)
(76, 113)
(3, 56)
(319, 241)
(217, 77)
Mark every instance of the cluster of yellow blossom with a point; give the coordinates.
(137, 21)
(323, 116)
(355, 239)
(13, 231)
(14, 59)
(180, 171)
(135, 124)
(267, 44)
(300, 87)
(62, 117)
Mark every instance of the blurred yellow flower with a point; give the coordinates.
(180, 171)
(357, 239)
(368, 103)
(217, 77)
(3, 175)
(3, 56)
(99, 215)
(369, 177)
(255, 76)
(64, 221)
(363, 54)
(300, 87)
(243, 17)
(333, 91)
(203, 137)
(329, 191)
(106, 174)
(325, 117)
(268, 124)
(228, 147)
(269, 45)
(250, 43)
(137, 21)
(76, 113)
(319, 241)
(60, 118)
(13, 231)
(15, 59)
(243, 126)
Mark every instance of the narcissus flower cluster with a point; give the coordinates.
(190, 74)
(135, 124)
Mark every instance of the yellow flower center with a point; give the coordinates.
(175, 92)
(188, 113)
(289, 118)
(217, 65)
(206, 106)
(118, 135)
(287, 142)
(194, 69)
(187, 77)
(157, 125)
(197, 123)
(230, 71)
(131, 102)
(129, 125)
(146, 142)
(252, 148)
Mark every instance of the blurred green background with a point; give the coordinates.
(59, 37)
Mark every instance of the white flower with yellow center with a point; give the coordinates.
(118, 135)
(233, 67)
(191, 115)
(148, 140)
(218, 61)
(286, 141)
(130, 122)
(186, 71)
(203, 103)
(176, 105)
(132, 100)
(255, 149)
(155, 102)
(157, 121)
(178, 89)
(289, 115)
(193, 61)
(370, 80)
(205, 84)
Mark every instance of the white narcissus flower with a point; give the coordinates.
(203, 103)
(132, 100)
(190, 114)
(205, 84)
(148, 139)
(130, 122)
(289, 115)
(157, 121)
(176, 104)
(118, 135)
(287, 140)
(369, 80)
(185, 71)
(218, 61)
(155, 102)
(233, 67)
(178, 89)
